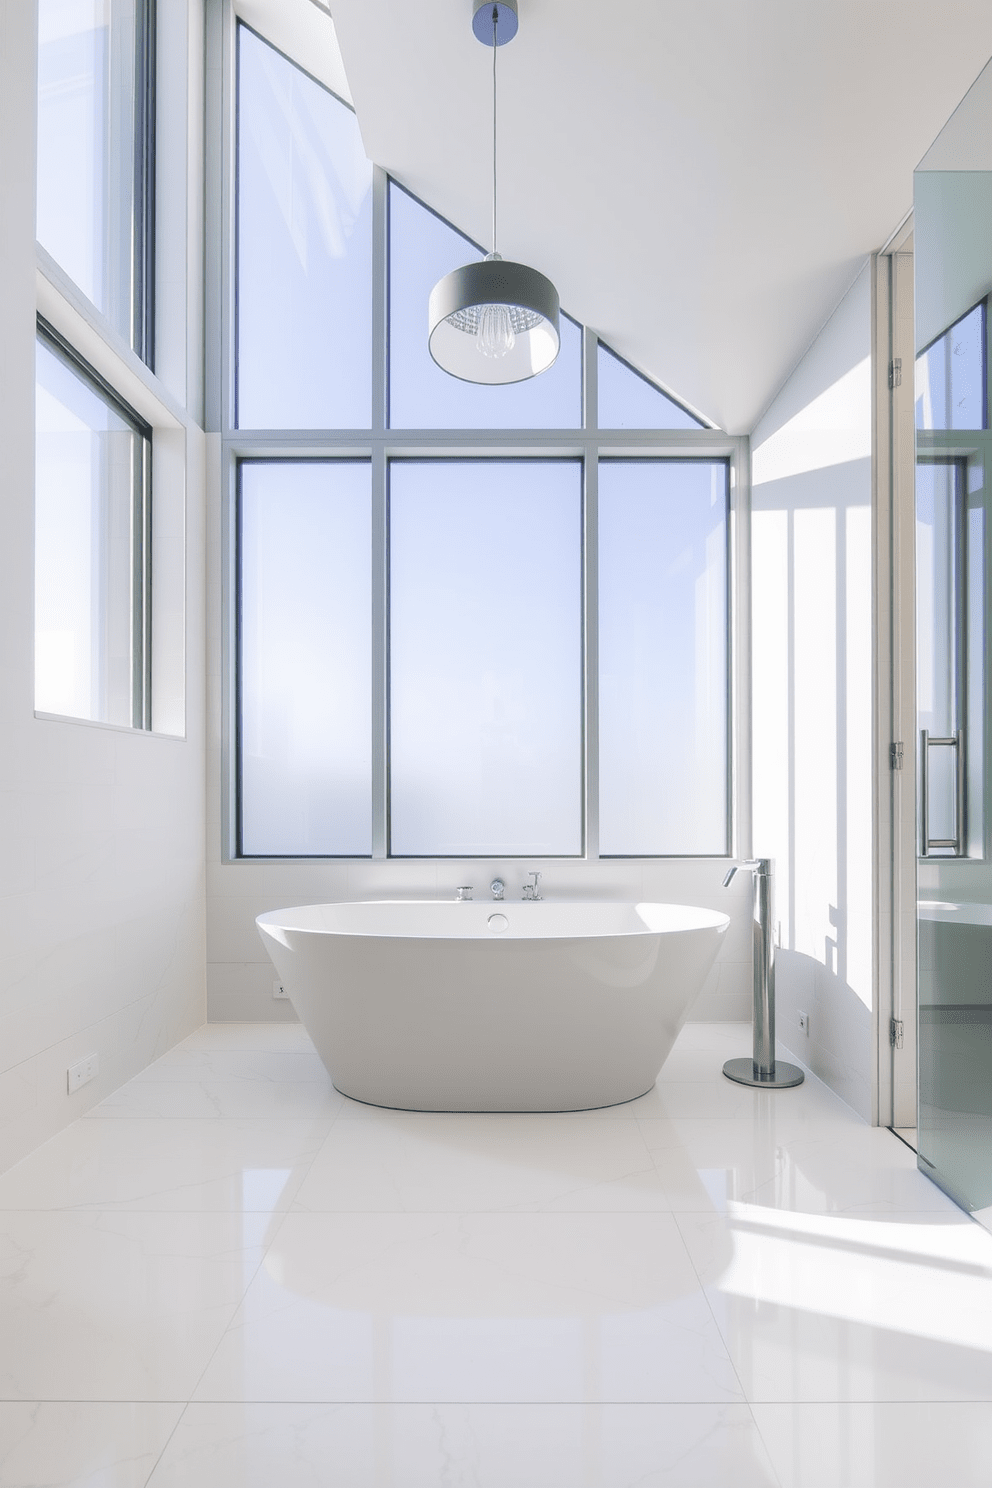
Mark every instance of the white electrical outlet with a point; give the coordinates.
(279, 991)
(804, 1023)
(82, 1073)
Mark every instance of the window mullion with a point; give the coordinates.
(380, 660)
(590, 578)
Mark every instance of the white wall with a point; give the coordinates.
(812, 693)
(101, 830)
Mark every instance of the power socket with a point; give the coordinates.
(804, 1023)
(279, 991)
(82, 1073)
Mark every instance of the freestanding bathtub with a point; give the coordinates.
(535, 1006)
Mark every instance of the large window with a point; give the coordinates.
(304, 251)
(92, 553)
(468, 621)
(663, 679)
(485, 657)
(96, 66)
(305, 663)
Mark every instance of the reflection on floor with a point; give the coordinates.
(228, 1276)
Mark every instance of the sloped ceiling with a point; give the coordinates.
(701, 179)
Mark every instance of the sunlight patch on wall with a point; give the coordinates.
(831, 429)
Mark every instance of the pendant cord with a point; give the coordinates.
(495, 20)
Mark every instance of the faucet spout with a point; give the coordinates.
(760, 866)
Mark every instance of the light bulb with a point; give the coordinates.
(495, 337)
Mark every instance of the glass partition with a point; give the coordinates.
(953, 263)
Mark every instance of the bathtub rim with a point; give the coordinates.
(702, 920)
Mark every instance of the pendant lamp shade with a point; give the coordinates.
(507, 307)
(496, 321)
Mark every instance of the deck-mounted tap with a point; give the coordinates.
(531, 890)
(463, 892)
(496, 888)
(761, 1068)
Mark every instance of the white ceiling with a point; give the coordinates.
(701, 179)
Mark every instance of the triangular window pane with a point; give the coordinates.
(628, 401)
(422, 249)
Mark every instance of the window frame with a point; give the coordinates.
(381, 443)
(141, 529)
(139, 334)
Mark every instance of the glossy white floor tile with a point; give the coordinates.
(105, 1445)
(119, 1306)
(224, 1165)
(483, 1163)
(892, 1445)
(480, 1446)
(227, 1274)
(474, 1307)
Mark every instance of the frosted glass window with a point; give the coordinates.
(304, 251)
(422, 249)
(629, 401)
(485, 657)
(951, 377)
(91, 468)
(663, 645)
(94, 144)
(305, 641)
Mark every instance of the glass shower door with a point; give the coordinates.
(954, 877)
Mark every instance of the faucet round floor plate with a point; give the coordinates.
(784, 1075)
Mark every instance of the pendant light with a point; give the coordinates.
(495, 321)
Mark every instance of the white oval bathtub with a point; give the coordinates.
(429, 1006)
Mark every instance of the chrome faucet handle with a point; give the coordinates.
(530, 891)
(496, 888)
(463, 892)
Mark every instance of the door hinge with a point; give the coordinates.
(895, 756)
(895, 1032)
(895, 372)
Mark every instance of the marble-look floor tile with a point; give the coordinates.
(285, 1037)
(693, 1065)
(728, 1040)
(207, 1098)
(471, 1446)
(820, 1307)
(705, 1164)
(458, 1163)
(254, 1065)
(853, 1170)
(879, 1445)
(481, 1307)
(82, 1444)
(717, 1098)
(125, 1307)
(231, 1166)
